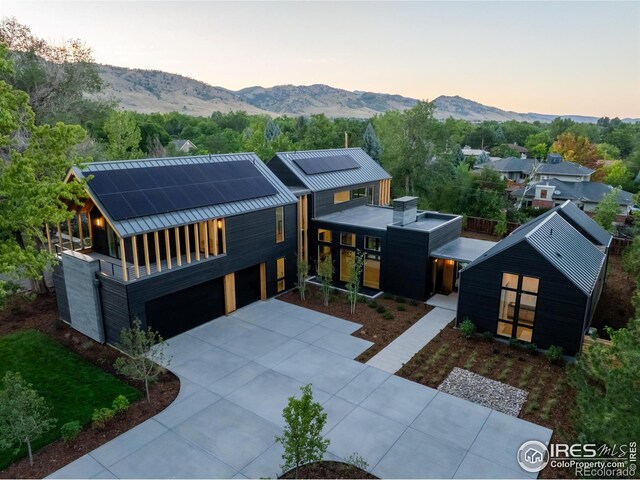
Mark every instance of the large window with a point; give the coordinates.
(348, 239)
(359, 193)
(279, 224)
(280, 274)
(518, 300)
(345, 255)
(324, 251)
(372, 243)
(371, 276)
(324, 235)
(341, 197)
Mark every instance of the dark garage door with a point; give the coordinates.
(181, 311)
(247, 286)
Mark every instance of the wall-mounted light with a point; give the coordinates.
(220, 223)
(100, 222)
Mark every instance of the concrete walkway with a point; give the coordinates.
(402, 349)
(236, 374)
(450, 302)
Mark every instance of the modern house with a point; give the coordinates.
(347, 199)
(174, 242)
(542, 283)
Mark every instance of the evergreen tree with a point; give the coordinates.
(371, 144)
(271, 131)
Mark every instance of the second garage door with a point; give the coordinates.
(178, 312)
(247, 286)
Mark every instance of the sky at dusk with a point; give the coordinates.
(545, 57)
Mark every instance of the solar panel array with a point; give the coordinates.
(333, 163)
(138, 192)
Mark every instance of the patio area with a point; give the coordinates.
(236, 374)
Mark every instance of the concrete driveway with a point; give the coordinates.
(236, 374)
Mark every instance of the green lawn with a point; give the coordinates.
(70, 385)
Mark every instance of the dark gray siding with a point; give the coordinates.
(405, 266)
(560, 309)
(283, 172)
(323, 201)
(250, 241)
(115, 309)
(445, 233)
(61, 293)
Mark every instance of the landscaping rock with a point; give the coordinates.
(478, 389)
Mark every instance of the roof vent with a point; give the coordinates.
(405, 210)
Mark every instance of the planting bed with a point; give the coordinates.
(329, 470)
(375, 327)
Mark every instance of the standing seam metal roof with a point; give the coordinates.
(369, 171)
(149, 223)
(575, 256)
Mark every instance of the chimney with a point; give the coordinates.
(405, 210)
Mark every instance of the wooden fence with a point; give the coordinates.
(487, 226)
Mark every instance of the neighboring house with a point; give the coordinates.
(173, 242)
(542, 283)
(184, 146)
(513, 169)
(585, 195)
(519, 170)
(521, 150)
(347, 197)
(467, 151)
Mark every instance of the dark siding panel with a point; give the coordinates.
(445, 234)
(250, 241)
(61, 293)
(323, 201)
(115, 311)
(283, 173)
(405, 267)
(560, 306)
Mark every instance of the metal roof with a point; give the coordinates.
(564, 168)
(369, 171)
(584, 223)
(463, 249)
(511, 164)
(135, 226)
(575, 256)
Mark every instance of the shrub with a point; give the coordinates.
(532, 348)
(381, 309)
(467, 328)
(387, 296)
(554, 354)
(513, 342)
(362, 299)
(488, 336)
(387, 316)
(101, 416)
(401, 308)
(358, 461)
(120, 404)
(373, 304)
(400, 299)
(70, 430)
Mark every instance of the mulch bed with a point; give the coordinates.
(328, 469)
(375, 327)
(40, 314)
(615, 307)
(551, 398)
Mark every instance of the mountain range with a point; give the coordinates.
(149, 91)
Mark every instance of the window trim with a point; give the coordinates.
(519, 291)
(326, 230)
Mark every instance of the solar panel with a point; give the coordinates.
(138, 192)
(331, 163)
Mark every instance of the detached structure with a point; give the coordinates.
(542, 283)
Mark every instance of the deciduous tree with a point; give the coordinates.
(576, 149)
(607, 210)
(123, 135)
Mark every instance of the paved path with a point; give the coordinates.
(450, 302)
(392, 357)
(236, 374)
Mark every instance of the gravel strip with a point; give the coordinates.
(478, 389)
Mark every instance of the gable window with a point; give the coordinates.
(280, 274)
(324, 235)
(279, 224)
(372, 243)
(341, 197)
(348, 239)
(518, 300)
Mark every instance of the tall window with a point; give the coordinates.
(371, 277)
(348, 239)
(370, 194)
(518, 301)
(345, 255)
(341, 197)
(372, 243)
(280, 274)
(324, 251)
(279, 224)
(324, 235)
